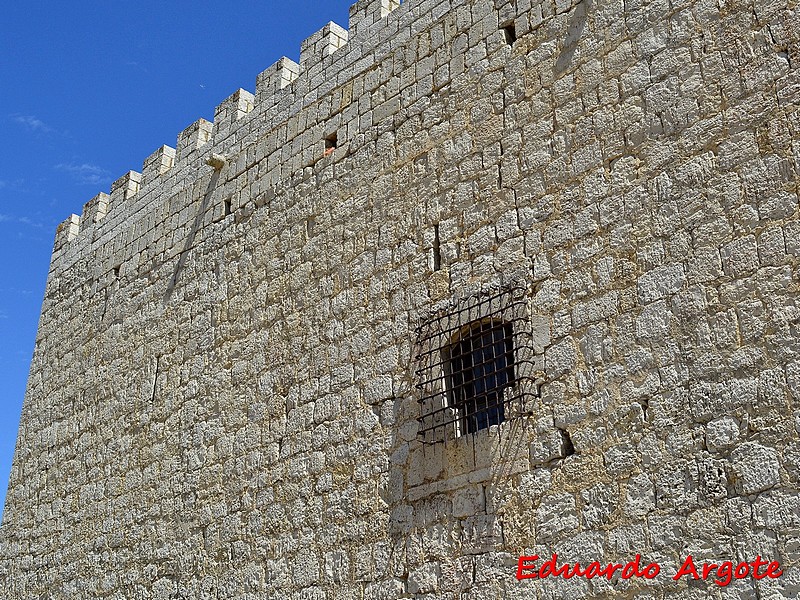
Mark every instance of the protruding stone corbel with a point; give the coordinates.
(217, 161)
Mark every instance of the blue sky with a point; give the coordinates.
(87, 91)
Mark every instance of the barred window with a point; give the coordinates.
(476, 364)
(479, 366)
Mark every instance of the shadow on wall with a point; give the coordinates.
(457, 496)
(577, 23)
(198, 220)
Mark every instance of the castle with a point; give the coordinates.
(475, 281)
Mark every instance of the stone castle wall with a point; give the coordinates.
(223, 397)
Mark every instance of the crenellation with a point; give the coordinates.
(322, 44)
(125, 188)
(94, 210)
(271, 81)
(270, 96)
(67, 231)
(236, 106)
(365, 13)
(191, 139)
(157, 165)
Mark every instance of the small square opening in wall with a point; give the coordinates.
(331, 142)
(510, 33)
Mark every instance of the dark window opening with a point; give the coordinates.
(510, 33)
(116, 271)
(479, 367)
(227, 207)
(331, 143)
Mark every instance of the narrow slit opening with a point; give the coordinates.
(437, 249)
(227, 207)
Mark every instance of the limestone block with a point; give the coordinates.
(670, 530)
(560, 359)
(653, 323)
(756, 468)
(740, 257)
(599, 503)
(722, 433)
(713, 480)
(556, 516)
(627, 539)
(771, 247)
(661, 282)
(547, 447)
(468, 501)
(777, 510)
(596, 309)
(481, 533)
(425, 579)
(620, 460)
(533, 485)
(791, 232)
(640, 497)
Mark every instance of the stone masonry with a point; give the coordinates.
(223, 401)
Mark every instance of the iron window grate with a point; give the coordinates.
(476, 364)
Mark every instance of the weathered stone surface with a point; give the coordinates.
(722, 433)
(224, 397)
(756, 467)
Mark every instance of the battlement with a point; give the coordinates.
(284, 94)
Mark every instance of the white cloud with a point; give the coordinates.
(137, 66)
(86, 173)
(31, 222)
(21, 220)
(13, 184)
(33, 123)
